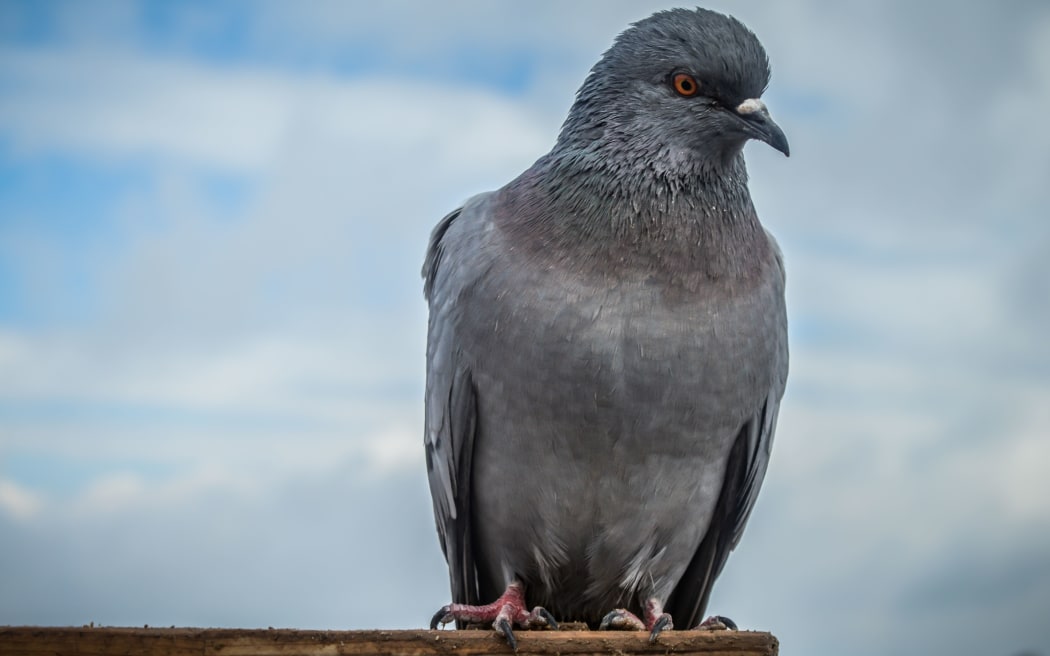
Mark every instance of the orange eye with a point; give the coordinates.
(685, 84)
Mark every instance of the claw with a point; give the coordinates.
(607, 621)
(503, 626)
(542, 617)
(662, 622)
(442, 617)
(717, 623)
(730, 624)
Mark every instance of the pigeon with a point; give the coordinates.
(607, 347)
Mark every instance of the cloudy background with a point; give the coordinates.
(212, 219)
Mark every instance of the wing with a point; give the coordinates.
(745, 469)
(744, 473)
(451, 421)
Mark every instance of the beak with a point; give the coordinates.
(756, 117)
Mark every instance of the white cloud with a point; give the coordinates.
(132, 107)
(17, 501)
(237, 119)
(1013, 462)
(113, 493)
(202, 315)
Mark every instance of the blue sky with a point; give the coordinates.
(212, 219)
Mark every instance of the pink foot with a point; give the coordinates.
(656, 620)
(504, 613)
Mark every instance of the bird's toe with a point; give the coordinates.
(717, 623)
(621, 619)
(662, 623)
(442, 617)
(540, 617)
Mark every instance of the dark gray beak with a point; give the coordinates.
(761, 126)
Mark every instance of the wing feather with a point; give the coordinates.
(745, 470)
(450, 421)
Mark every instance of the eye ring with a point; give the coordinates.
(685, 85)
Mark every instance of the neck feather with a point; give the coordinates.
(663, 212)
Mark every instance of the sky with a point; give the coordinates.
(212, 330)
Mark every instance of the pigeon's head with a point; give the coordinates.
(682, 83)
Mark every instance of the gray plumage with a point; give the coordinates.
(607, 342)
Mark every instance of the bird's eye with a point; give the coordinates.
(685, 85)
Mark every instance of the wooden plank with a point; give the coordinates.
(106, 641)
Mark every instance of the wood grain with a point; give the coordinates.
(106, 641)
